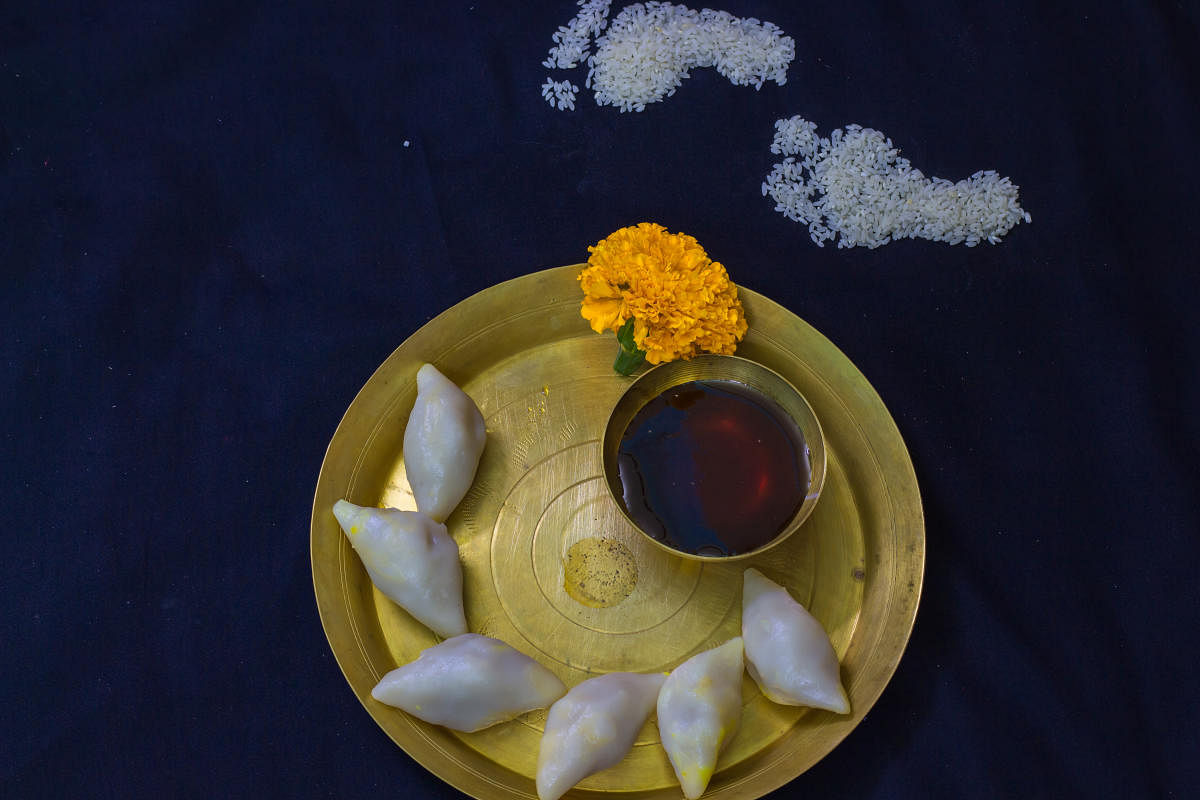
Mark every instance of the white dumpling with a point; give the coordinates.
(469, 683)
(592, 728)
(699, 711)
(443, 441)
(788, 653)
(412, 560)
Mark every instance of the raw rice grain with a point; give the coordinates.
(649, 49)
(856, 187)
(560, 94)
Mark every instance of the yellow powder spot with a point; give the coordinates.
(353, 529)
(599, 572)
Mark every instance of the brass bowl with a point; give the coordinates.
(767, 384)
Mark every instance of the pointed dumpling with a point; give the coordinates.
(788, 653)
(443, 441)
(468, 683)
(592, 728)
(699, 711)
(412, 560)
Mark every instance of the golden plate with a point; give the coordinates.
(551, 566)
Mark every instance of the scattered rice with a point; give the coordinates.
(650, 48)
(855, 186)
(560, 94)
(571, 41)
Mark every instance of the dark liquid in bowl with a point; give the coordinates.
(713, 468)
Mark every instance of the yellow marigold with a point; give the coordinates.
(681, 302)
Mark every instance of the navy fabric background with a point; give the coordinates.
(212, 231)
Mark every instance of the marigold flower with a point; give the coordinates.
(681, 302)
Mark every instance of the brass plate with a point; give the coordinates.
(551, 566)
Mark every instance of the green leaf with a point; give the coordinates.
(629, 357)
(627, 362)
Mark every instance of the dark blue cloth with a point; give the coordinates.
(218, 218)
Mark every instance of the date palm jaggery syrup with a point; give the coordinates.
(713, 468)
